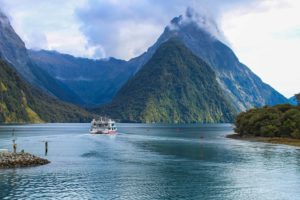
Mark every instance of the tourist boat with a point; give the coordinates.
(103, 125)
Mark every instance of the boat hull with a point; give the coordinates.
(105, 132)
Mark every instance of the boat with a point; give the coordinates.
(103, 125)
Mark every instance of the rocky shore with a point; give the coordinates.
(272, 140)
(15, 160)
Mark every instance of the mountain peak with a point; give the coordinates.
(174, 86)
(202, 21)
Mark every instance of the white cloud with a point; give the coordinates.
(126, 28)
(267, 39)
(49, 25)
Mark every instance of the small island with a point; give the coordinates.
(22, 159)
(278, 124)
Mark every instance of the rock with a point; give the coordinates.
(14, 160)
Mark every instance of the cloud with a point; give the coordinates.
(127, 28)
(122, 28)
(119, 28)
(49, 25)
(267, 39)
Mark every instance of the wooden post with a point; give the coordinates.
(15, 147)
(14, 141)
(46, 148)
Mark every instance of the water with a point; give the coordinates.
(149, 162)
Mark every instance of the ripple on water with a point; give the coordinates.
(150, 162)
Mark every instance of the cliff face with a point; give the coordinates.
(12, 48)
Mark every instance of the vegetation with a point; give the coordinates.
(298, 98)
(175, 86)
(21, 102)
(277, 121)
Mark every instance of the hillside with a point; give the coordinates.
(173, 87)
(94, 81)
(244, 88)
(21, 103)
(14, 52)
(277, 121)
(293, 100)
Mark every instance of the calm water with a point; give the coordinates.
(149, 162)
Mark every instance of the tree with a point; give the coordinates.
(278, 121)
(298, 98)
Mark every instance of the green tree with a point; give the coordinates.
(279, 121)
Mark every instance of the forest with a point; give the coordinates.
(275, 121)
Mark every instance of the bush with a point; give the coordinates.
(281, 121)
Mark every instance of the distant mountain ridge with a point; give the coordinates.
(94, 81)
(174, 86)
(293, 100)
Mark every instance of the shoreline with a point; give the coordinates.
(271, 140)
(9, 160)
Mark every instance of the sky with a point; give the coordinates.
(264, 34)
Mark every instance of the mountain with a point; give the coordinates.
(21, 103)
(203, 38)
(174, 86)
(293, 100)
(94, 81)
(97, 81)
(13, 50)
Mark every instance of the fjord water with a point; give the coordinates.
(149, 162)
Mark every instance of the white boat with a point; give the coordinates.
(103, 126)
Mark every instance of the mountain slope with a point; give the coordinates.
(240, 84)
(13, 50)
(20, 102)
(95, 81)
(293, 99)
(174, 87)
